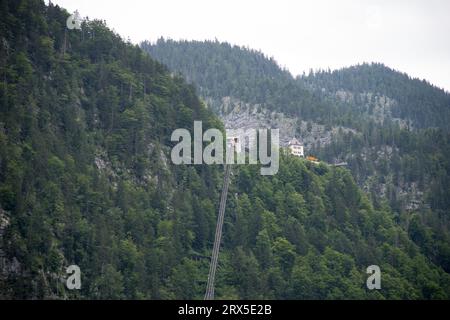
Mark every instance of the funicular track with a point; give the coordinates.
(209, 294)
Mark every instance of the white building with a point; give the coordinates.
(296, 148)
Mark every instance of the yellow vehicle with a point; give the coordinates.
(312, 158)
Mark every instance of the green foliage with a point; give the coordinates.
(85, 178)
(416, 100)
(392, 130)
(221, 70)
(85, 124)
(320, 244)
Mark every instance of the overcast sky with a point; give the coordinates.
(411, 36)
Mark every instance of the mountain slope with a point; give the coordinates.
(86, 179)
(389, 128)
(85, 176)
(416, 101)
(221, 70)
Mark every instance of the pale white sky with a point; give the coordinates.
(410, 36)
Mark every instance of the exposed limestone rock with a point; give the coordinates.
(240, 115)
(377, 107)
(7, 266)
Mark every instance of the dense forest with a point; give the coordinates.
(219, 70)
(85, 125)
(391, 129)
(86, 179)
(421, 103)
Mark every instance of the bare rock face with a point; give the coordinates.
(4, 222)
(240, 115)
(377, 107)
(6, 266)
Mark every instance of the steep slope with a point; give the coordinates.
(86, 179)
(221, 70)
(417, 102)
(404, 154)
(310, 233)
(391, 129)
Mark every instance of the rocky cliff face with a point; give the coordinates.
(376, 107)
(237, 114)
(7, 266)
